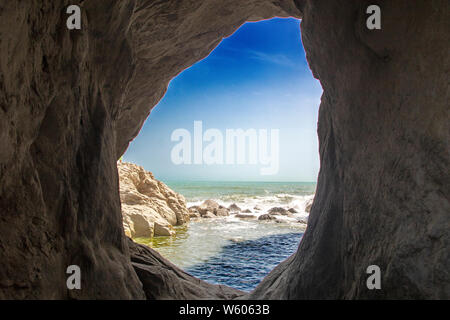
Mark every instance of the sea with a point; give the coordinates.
(230, 250)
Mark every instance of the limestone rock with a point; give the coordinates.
(210, 208)
(222, 212)
(149, 207)
(278, 211)
(163, 229)
(266, 216)
(234, 208)
(193, 212)
(208, 215)
(208, 205)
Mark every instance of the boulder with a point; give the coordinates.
(278, 211)
(266, 216)
(222, 212)
(211, 204)
(208, 214)
(234, 208)
(292, 210)
(247, 211)
(208, 205)
(193, 212)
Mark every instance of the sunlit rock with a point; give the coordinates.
(149, 207)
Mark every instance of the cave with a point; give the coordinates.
(72, 100)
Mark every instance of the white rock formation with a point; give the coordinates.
(149, 207)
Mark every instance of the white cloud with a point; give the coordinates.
(279, 59)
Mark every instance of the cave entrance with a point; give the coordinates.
(235, 134)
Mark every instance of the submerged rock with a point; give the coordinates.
(246, 216)
(163, 229)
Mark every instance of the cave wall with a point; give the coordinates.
(70, 102)
(383, 189)
(59, 198)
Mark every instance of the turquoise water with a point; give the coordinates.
(235, 191)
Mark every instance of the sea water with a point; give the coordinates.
(233, 251)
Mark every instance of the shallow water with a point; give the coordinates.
(243, 265)
(233, 251)
(229, 250)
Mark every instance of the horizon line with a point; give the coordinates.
(206, 180)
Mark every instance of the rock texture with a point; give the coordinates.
(71, 101)
(278, 211)
(234, 208)
(266, 216)
(208, 209)
(149, 207)
(382, 193)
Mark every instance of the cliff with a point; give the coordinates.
(149, 207)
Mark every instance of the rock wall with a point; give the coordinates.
(149, 207)
(70, 102)
(382, 193)
(59, 190)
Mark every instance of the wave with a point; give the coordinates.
(259, 205)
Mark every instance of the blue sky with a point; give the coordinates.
(257, 78)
